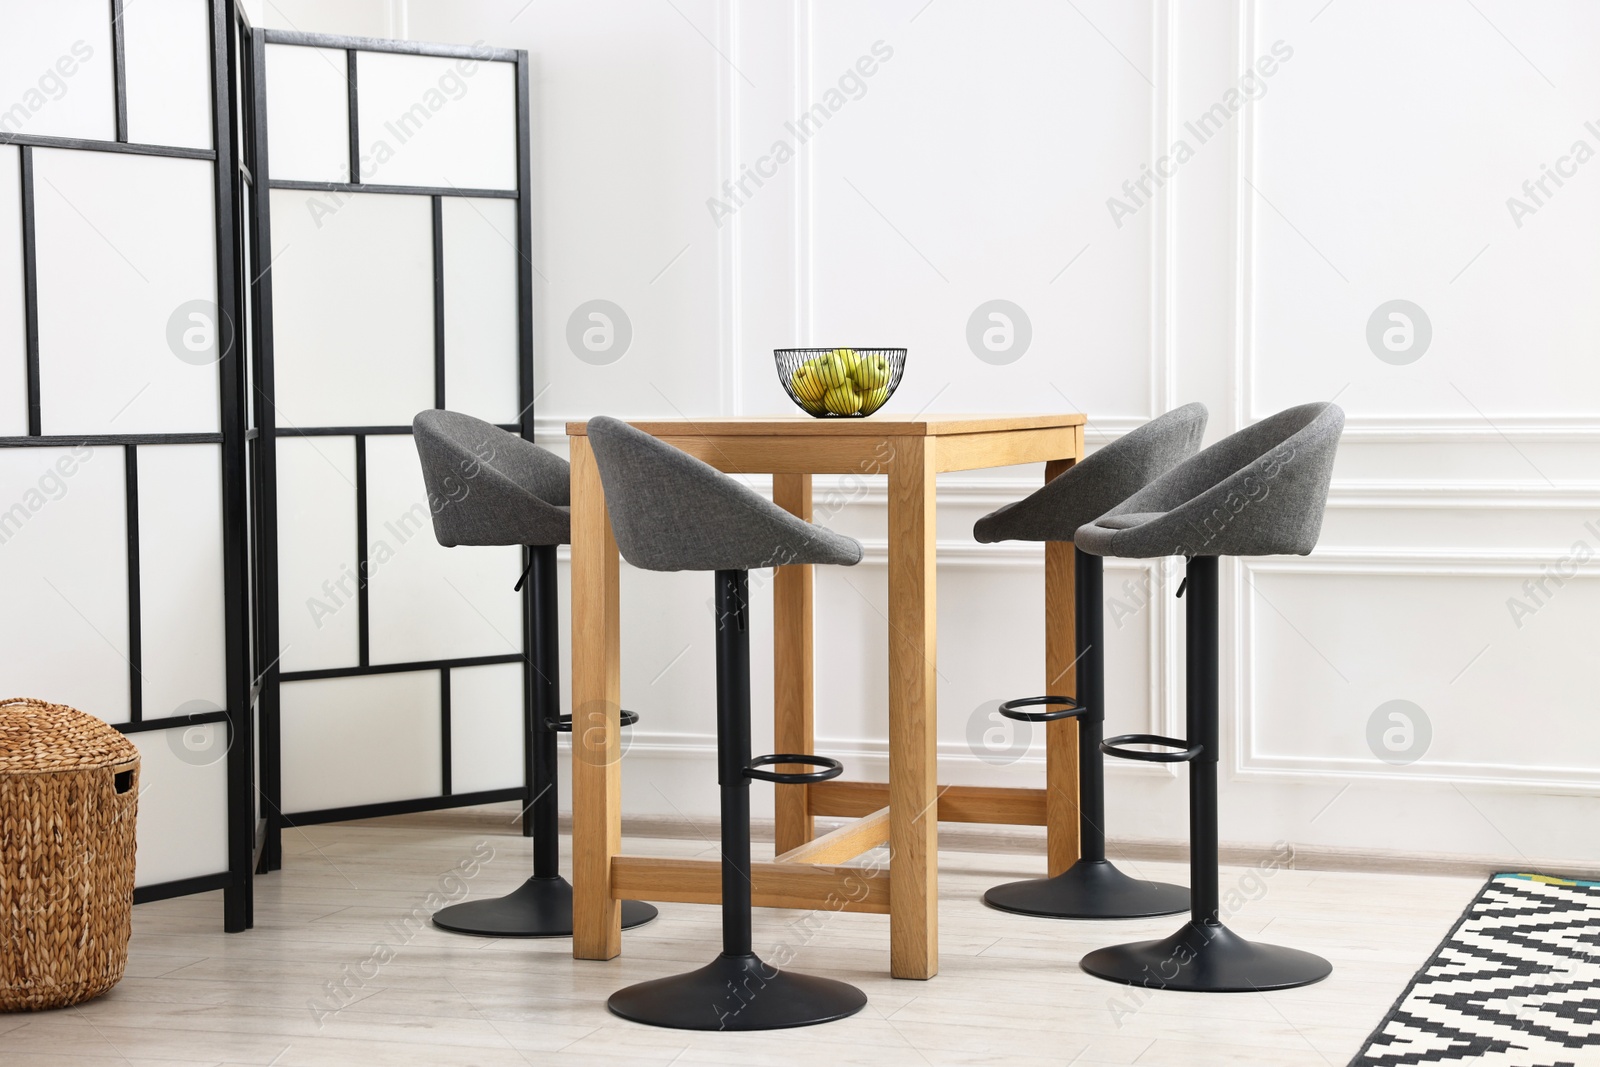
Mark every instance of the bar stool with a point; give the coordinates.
(671, 512)
(1092, 888)
(1259, 492)
(490, 487)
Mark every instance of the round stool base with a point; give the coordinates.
(737, 993)
(541, 907)
(1206, 958)
(1089, 889)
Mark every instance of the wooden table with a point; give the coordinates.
(910, 451)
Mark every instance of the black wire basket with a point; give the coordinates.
(840, 383)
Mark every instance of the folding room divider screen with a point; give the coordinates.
(392, 272)
(213, 336)
(123, 510)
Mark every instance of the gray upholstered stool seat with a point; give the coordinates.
(1089, 489)
(1130, 520)
(671, 512)
(489, 487)
(1261, 491)
(1092, 887)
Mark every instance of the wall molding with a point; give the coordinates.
(1452, 429)
(1249, 764)
(1421, 428)
(1453, 494)
(730, 289)
(1420, 562)
(1163, 234)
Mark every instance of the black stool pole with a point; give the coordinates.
(1204, 956)
(1092, 888)
(737, 990)
(1202, 715)
(733, 758)
(1088, 600)
(545, 638)
(542, 906)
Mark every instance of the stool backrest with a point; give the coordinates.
(1259, 492)
(671, 512)
(490, 487)
(1100, 482)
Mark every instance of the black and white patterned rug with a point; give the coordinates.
(1516, 984)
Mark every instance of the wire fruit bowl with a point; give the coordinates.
(840, 383)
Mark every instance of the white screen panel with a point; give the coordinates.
(308, 114)
(318, 625)
(180, 569)
(166, 46)
(55, 70)
(429, 602)
(485, 727)
(360, 740)
(480, 307)
(183, 803)
(126, 260)
(64, 572)
(352, 308)
(13, 337)
(425, 120)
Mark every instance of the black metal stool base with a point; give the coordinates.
(737, 993)
(1206, 958)
(540, 907)
(1089, 889)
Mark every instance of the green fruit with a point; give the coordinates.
(848, 357)
(813, 407)
(831, 368)
(807, 384)
(873, 400)
(872, 372)
(843, 400)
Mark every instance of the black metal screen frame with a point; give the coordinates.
(263, 460)
(235, 881)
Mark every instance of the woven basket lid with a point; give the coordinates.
(38, 737)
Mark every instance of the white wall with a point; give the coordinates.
(977, 165)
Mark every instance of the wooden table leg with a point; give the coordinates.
(913, 788)
(792, 672)
(596, 715)
(1061, 678)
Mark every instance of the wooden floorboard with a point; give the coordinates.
(342, 968)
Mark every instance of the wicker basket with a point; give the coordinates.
(69, 791)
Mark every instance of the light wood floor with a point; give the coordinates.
(1009, 989)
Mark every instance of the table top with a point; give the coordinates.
(872, 426)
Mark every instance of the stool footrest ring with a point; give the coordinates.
(563, 723)
(1113, 746)
(831, 768)
(1068, 708)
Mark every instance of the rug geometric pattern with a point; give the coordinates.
(1516, 984)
